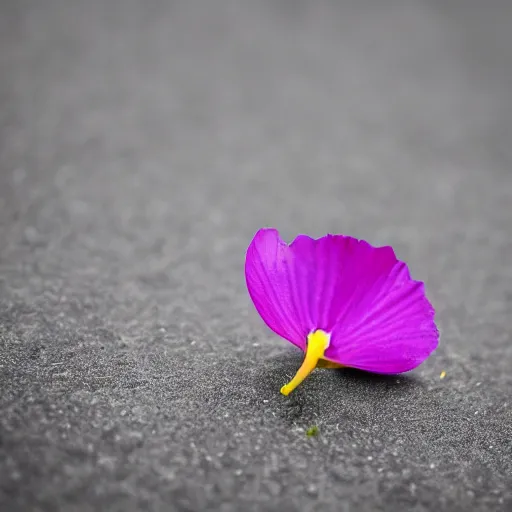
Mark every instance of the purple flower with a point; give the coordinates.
(341, 301)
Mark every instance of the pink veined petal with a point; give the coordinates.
(378, 318)
(395, 334)
(271, 279)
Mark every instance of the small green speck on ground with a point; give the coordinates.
(312, 431)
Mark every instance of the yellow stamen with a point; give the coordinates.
(318, 341)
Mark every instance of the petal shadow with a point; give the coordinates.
(314, 397)
(352, 375)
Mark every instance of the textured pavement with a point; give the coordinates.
(142, 144)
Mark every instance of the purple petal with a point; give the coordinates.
(273, 284)
(395, 334)
(378, 318)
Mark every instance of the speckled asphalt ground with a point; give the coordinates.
(141, 146)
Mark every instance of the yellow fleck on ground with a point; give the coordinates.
(312, 431)
(443, 375)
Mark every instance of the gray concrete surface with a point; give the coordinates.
(141, 146)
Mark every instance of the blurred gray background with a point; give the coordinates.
(142, 144)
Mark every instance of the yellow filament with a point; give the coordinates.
(318, 341)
